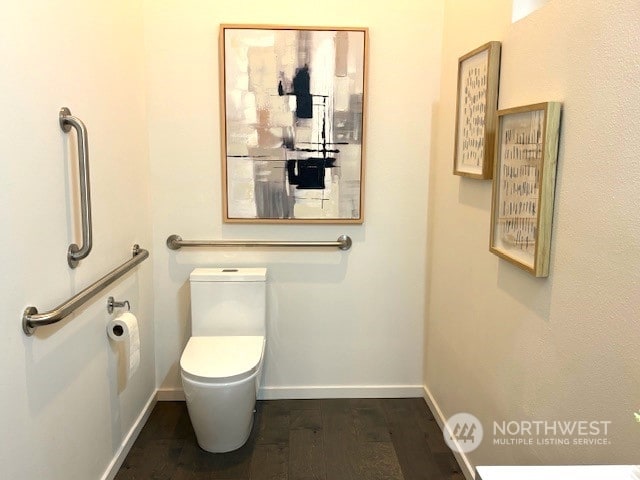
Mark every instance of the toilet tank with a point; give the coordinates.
(228, 301)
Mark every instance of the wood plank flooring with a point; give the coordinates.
(341, 439)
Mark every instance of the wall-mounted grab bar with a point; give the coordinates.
(32, 319)
(76, 253)
(175, 242)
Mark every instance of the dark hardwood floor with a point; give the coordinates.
(341, 439)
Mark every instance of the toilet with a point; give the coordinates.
(222, 362)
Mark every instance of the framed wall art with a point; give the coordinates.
(524, 185)
(292, 120)
(477, 103)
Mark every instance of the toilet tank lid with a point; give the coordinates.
(228, 274)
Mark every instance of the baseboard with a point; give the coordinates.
(170, 395)
(307, 392)
(340, 391)
(131, 437)
(463, 461)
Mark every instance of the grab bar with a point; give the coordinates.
(175, 242)
(76, 253)
(31, 319)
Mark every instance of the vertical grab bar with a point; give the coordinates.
(76, 253)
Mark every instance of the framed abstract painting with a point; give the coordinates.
(292, 122)
(477, 103)
(524, 182)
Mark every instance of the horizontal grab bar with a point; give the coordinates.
(175, 242)
(32, 319)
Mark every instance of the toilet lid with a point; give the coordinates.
(221, 358)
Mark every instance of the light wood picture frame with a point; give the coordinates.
(476, 107)
(524, 185)
(293, 109)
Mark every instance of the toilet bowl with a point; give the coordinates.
(221, 364)
(219, 377)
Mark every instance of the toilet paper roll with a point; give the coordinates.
(124, 328)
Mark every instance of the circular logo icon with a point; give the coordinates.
(463, 432)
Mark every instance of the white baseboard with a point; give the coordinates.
(170, 395)
(340, 391)
(308, 392)
(131, 437)
(463, 461)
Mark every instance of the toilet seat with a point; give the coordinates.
(219, 360)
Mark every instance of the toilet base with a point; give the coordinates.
(221, 414)
(219, 448)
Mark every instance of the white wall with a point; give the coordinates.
(64, 411)
(499, 343)
(336, 319)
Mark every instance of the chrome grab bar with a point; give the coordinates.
(76, 253)
(31, 319)
(175, 242)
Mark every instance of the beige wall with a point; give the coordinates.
(65, 410)
(499, 343)
(340, 323)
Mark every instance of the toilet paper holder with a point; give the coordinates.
(112, 303)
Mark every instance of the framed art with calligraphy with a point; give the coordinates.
(293, 103)
(524, 180)
(477, 103)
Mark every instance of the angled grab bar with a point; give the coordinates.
(175, 242)
(76, 253)
(31, 319)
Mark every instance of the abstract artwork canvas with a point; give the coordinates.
(477, 103)
(524, 185)
(293, 111)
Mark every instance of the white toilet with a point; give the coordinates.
(222, 362)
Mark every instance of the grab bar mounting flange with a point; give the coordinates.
(62, 118)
